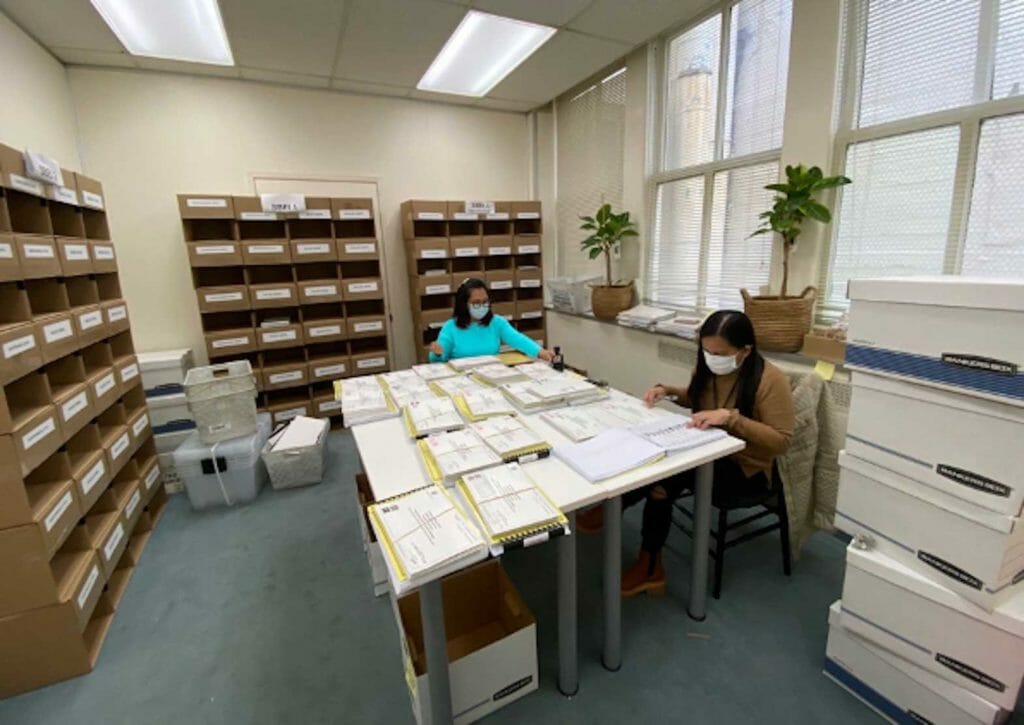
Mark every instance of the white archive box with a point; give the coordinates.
(169, 412)
(374, 553)
(965, 446)
(973, 551)
(167, 442)
(914, 617)
(958, 333)
(165, 368)
(223, 473)
(898, 690)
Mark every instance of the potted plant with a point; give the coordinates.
(607, 230)
(781, 322)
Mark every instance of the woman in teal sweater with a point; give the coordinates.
(475, 330)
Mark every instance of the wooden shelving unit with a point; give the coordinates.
(80, 487)
(447, 242)
(300, 295)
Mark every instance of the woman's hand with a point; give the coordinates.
(546, 355)
(655, 395)
(705, 419)
(435, 347)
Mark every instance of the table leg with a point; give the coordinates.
(612, 657)
(568, 676)
(435, 643)
(701, 536)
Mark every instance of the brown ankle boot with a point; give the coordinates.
(646, 575)
(590, 521)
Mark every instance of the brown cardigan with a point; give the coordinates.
(768, 431)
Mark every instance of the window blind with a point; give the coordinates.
(1008, 76)
(691, 95)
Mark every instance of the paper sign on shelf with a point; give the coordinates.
(93, 200)
(65, 195)
(43, 168)
(360, 248)
(258, 216)
(29, 186)
(479, 207)
(282, 202)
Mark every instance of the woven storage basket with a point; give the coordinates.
(222, 399)
(780, 323)
(297, 466)
(608, 302)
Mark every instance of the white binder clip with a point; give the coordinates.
(863, 542)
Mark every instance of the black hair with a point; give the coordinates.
(735, 328)
(461, 312)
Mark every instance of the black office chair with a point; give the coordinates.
(772, 502)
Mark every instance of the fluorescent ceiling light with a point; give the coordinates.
(187, 30)
(481, 52)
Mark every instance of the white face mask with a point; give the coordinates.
(720, 364)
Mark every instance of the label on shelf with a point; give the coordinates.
(438, 289)
(282, 203)
(285, 377)
(54, 516)
(495, 251)
(430, 216)
(290, 413)
(120, 446)
(434, 254)
(104, 385)
(76, 252)
(529, 283)
(360, 248)
(354, 213)
(329, 405)
(152, 476)
(93, 200)
(19, 345)
(500, 216)
(129, 371)
(325, 290)
(258, 216)
(368, 326)
(38, 251)
(133, 503)
(479, 207)
(279, 336)
(313, 248)
(105, 253)
(467, 252)
(216, 249)
(6, 251)
(531, 315)
(265, 248)
(86, 590)
(22, 183)
(223, 297)
(325, 330)
(370, 362)
(90, 320)
(528, 249)
(93, 477)
(465, 216)
(74, 406)
(140, 425)
(115, 538)
(66, 195)
(528, 215)
(501, 284)
(274, 294)
(230, 342)
(326, 370)
(38, 433)
(362, 287)
(315, 214)
(206, 203)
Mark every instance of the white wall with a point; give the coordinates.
(36, 110)
(149, 136)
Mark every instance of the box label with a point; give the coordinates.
(38, 433)
(258, 216)
(528, 249)
(531, 315)
(104, 252)
(215, 249)
(529, 283)
(368, 326)
(132, 504)
(206, 203)
(467, 252)
(27, 185)
(283, 202)
(116, 314)
(93, 477)
(279, 336)
(479, 207)
(140, 425)
(499, 216)
(129, 371)
(230, 342)
(286, 377)
(274, 294)
(977, 362)
(329, 405)
(362, 287)
(19, 345)
(430, 216)
(326, 370)
(6, 251)
(65, 195)
(965, 670)
(528, 215)
(950, 570)
(315, 214)
(973, 480)
(104, 385)
(313, 248)
(495, 251)
(463, 216)
(54, 516)
(438, 289)
(265, 249)
(76, 252)
(501, 284)
(151, 477)
(74, 406)
(322, 290)
(91, 199)
(370, 362)
(325, 330)
(120, 446)
(290, 413)
(115, 538)
(224, 297)
(434, 254)
(90, 320)
(86, 590)
(37, 251)
(354, 214)
(360, 248)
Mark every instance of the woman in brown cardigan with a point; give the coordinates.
(732, 388)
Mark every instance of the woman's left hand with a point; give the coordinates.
(705, 419)
(546, 355)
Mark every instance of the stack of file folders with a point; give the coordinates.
(364, 400)
(643, 316)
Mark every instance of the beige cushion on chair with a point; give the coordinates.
(797, 465)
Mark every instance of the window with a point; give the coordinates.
(721, 133)
(932, 134)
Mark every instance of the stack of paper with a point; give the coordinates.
(447, 456)
(405, 391)
(425, 535)
(301, 432)
(538, 370)
(643, 316)
(525, 398)
(673, 434)
(680, 326)
(480, 404)
(433, 371)
(457, 385)
(578, 423)
(363, 400)
(462, 364)
(510, 506)
(567, 389)
(511, 439)
(497, 374)
(400, 377)
(434, 415)
(513, 357)
(608, 454)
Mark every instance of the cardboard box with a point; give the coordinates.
(104, 259)
(330, 368)
(115, 312)
(47, 501)
(504, 309)
(428, 248)
(459, 211)
(32, 577)
(103, 387)
(74, 406)
(67, 193)
(530, 309)
(529, 277)
(526, 210)
(10, 264)
(139, 425)
(378, 569)
(288, 409)
(117, 439)
(232, 342)
(319, 291)
(20, 348)
(919, 432)
(75, 257)
(419, 210)
(365, 363)
(497, 245)
(367, 326)
(526, 244)
(90, 191)
(948, 332)
(934, 628)
(313, 250)
(266, 251)
(285, 375)
(250, 208)
(272, 338)
(225, 298)
(38, 255)
(349, 209)
(363, 288)
(56, 335)
(973, 551)
(214, 254)
(13, 174)
(325, 330)
(502, 212)
(126, 488)
(90, 326)
(163, 369)
(896, 688)
(492, 644)
(499, 279)
(277, 294)
(357, 249)
(36, 435)
(433, 284)
(325, 406)
(819, 347)
(151, 476)
(206, 206)
(108, 532)
(432, 318)
(89, 465)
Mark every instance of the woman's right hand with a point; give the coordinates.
(655, 395)
(435, 347)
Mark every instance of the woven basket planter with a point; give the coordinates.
(780, 323)
(608, 302)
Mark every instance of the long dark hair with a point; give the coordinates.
(461, 312)
(735, 328)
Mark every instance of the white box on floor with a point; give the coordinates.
(492, 644)
(172, 481)
(915, 618)
(958, 333)
(962, 445)
(225, 473)
(165, 368)
(975, 552)
(896, 689)
(374, 554)
(169, 412)
(167, 442)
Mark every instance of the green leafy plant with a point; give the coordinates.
(793, 205)
(608, 229)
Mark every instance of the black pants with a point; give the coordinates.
(658, 509)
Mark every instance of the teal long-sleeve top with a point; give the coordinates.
(480, 339)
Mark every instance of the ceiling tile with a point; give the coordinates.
(290, 79)
(394, 41)
(500, 104)
(377, 89)
(455, 100)
(634, 21)
(546, 12)
(63, 23)
(294, 37)
(177, 66)
(77, 56)
(560, 64)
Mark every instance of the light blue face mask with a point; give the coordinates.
(479, 311)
